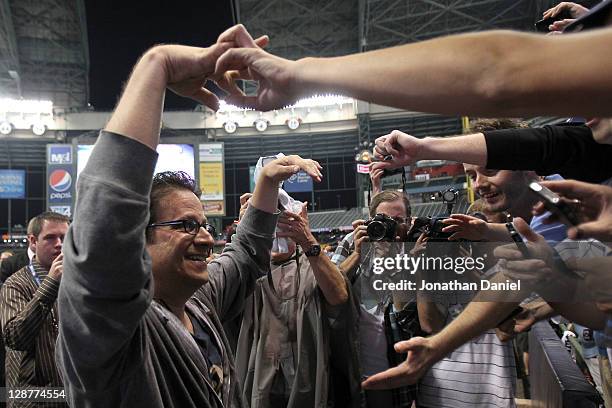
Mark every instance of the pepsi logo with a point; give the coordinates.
(60, 180)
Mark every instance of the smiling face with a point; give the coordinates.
(178, 258)
(503, 190)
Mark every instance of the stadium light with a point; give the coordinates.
(312, 102)
(293, 123)
(261, 125)
(230, 126)
(38, 129)
(5, 127)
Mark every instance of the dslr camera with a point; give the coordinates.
(381, 228)
(432, 226)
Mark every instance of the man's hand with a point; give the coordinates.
(376, 178)
(575, 10)
(421, 356)
(602, 130)
(595, 208)
(57, 268)
(536, 269)
(296, 227)
(360, 235)
(244, 204)
(403, 148)
(465, 227)
(519, 324)
(188, 68)
(420, 245)
(598, 278)
(284, 167)
(275, 75)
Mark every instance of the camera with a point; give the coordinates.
(432, 226)
(392, 172)
(381, 228)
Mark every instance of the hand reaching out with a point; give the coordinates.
(284, 167)
(403, 149)
(595, 211)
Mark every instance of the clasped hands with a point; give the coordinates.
(235, 56)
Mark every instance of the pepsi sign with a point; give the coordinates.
(60, 182)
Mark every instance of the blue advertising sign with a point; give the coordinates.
(12, 183)
(298, 183)
(60, 154)
(60, 178)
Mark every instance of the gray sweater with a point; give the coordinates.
(117, 347)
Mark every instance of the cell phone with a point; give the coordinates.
(542, 25)
(267, 159)
(553, 203)
(518, 240)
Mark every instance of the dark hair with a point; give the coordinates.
(484, 125)
(35, 225)
(164, 183)
(389, 196)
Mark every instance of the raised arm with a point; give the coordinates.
(233, 273)
(329, 279)
(107, 274)
(495, 73)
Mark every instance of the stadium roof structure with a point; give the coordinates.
(300, 28)
(44, 47)
(44, 51)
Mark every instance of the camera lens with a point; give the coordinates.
(376, 230)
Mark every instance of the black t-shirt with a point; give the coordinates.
(567, 150)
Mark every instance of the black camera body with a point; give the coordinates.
(431, 226)
(381, 228)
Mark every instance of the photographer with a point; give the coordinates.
(389, 221)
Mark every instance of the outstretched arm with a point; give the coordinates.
(496, 73)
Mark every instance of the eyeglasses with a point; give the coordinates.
(191, 227)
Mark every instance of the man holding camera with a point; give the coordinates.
(389, 221)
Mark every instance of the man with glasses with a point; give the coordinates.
(141, 311)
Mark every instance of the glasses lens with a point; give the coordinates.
(210, 229)
(191, 226)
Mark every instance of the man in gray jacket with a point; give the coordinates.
(141, 317)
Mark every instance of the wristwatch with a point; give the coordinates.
(314, 250)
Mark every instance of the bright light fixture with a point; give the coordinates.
(5, 127)
(230, 126)
(39, 129)
(261, 125)
(293, 123)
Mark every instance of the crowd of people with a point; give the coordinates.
(153, 318)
